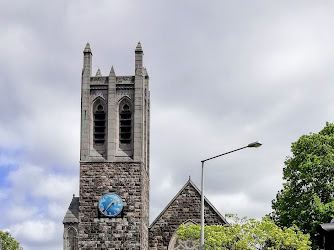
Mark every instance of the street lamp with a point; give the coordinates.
(250, 145)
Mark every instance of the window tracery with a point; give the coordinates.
(178, 244)
(184, 245)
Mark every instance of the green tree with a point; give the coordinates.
(7, 242)
(307, 197)
(248, 234)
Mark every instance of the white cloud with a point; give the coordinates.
(57, 210)
(19, 211)
(35, 231)
(40, 183)
(37, 234)
(35, 204)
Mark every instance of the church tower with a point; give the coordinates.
(114, 158)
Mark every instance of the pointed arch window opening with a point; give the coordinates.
(178, 244)
(99, 125)
(125, 124)
(72, 239)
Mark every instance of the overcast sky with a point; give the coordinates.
(222, 74)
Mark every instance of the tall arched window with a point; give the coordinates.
(99, 125)
(72, 239)
(125, 124)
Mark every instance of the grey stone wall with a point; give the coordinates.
(129, 230)
(145, 208)
(186, 206)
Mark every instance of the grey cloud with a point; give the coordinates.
(222, 74)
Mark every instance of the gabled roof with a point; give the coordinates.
(72, 214)
(189, 182)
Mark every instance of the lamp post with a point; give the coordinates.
(251, 145)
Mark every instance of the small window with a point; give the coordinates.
(99, 125)
(125, 124)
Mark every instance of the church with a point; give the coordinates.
(112, 210)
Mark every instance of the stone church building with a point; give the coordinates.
(112, 210)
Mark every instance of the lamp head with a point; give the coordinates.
(255, 144)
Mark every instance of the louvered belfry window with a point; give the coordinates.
(125, 121)
(99, 125)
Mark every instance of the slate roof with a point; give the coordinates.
(189, 182)
(72, 214)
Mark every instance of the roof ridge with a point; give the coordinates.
(174, 198)
(209, 203)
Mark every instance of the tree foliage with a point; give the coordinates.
(247, 234)
(7, 242)
(307, 197)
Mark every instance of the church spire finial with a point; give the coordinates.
(139, 48)
(98, 73)
(87, 49)
(112, 71)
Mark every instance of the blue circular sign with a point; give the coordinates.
(110, 204)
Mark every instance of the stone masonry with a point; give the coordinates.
(184, 207)
(128, 230)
